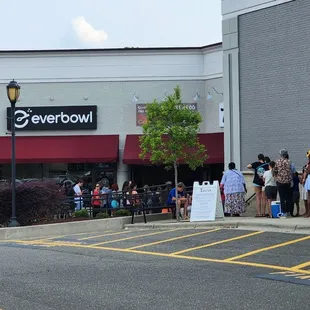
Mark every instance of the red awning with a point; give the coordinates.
(61, 149)
(214, 143)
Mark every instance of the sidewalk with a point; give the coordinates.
(291, 225)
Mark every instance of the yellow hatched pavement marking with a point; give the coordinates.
(105, 235)
(306, 264)
(173, 239)
(194, 258)
(136, 237)
(267, 248)
(62, 236)
(217, 242)
(49, 238)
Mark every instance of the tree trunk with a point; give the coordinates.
(177, 209)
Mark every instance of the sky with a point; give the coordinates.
(63, 24)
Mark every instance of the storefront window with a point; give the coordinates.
(59, 172)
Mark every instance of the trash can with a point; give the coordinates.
(276, 209)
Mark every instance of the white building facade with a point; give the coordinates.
(80, 107)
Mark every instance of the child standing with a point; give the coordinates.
(296, 194)
(270, 187)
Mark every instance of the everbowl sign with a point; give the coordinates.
(54, 118)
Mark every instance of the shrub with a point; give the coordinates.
(35, 201)
(102, 215)
(122, 212)
(81, 213)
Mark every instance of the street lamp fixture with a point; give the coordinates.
(13, 91)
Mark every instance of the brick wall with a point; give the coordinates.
(274, 81)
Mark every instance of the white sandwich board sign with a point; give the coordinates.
(206, 202)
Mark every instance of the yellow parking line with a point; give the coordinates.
(267, 248)
(195, 258)
(173, 239)
(105, 235)
(62, 236)
(302, 265)
(217, 242)
(135, 237)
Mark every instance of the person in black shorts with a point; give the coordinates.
(270, 186)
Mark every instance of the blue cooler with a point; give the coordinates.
(276, 209)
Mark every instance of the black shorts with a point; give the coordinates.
(296, 197)
(271, 192)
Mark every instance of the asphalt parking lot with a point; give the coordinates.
(156, 269)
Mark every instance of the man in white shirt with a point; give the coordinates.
(78, 199)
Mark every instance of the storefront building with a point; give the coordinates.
(80, 111)
(265, 78)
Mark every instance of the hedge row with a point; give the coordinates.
(35, 201)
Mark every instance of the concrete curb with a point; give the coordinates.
(245, 224)
(88, 226)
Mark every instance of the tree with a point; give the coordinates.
(170, 135)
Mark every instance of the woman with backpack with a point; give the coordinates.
(259, 167)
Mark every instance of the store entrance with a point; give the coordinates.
(153, 175)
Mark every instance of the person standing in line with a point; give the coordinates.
(307, 185)
(264, 198)
(259, 168)
(296, 193)
(304, 192)
(283, 174)
(233, 183)
(96, 201)
(115, 203)
(270, 187)
(78, 195)
(293, 170)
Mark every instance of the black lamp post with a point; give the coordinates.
(13, 91)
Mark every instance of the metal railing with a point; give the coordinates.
(148, 199)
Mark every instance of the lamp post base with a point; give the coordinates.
(13, 222)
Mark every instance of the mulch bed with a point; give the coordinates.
(67, 220)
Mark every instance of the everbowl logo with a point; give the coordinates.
(23, 118)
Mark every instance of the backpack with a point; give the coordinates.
(114, 204)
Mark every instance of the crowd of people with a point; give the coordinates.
(109, 197)
(271, 179)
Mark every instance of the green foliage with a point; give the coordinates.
(102, 215)
(121, 213)
(81, 213)
(170, 134)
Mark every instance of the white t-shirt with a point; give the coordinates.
(77, 191)
(269, 179)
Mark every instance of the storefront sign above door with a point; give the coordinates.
(141, 111)
(54, 118)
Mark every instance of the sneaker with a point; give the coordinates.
(283, 216)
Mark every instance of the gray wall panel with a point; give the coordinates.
(274, 48)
